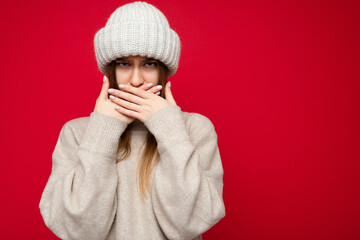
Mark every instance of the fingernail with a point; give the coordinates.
(149, 84)
(157, 93)
(104, 78)
(169, 84)
(121, 85)
(158, 87)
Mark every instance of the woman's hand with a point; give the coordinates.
(105, 106)
(136, 103)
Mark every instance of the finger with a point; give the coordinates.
(104, 89)
(125, 104)
(128, 112)
(168, 94)
(128, 96)
(147, 86)
(155, 89)
(135, 91)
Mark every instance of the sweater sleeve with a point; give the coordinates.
(79, 200)
(188, 180)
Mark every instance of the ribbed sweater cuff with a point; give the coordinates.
(168, 126)
(102, 134)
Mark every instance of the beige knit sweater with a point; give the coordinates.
(89, 196)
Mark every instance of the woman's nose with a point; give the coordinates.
(136, 79)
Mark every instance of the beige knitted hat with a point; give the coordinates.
(137, 28)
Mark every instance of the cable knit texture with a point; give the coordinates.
(90, 196)
(137, 28)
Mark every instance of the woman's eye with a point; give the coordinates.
(120, 64)
(149, 64)
(153, 64)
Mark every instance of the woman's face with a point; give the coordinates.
(136, 71)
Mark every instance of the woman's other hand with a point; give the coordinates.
(105, 106)
(136, 103)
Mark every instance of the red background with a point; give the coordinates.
(278, 79)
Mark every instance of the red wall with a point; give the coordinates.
(279, 80)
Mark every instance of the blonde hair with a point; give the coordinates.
(150, 155)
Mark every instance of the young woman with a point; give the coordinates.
(138, 167)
